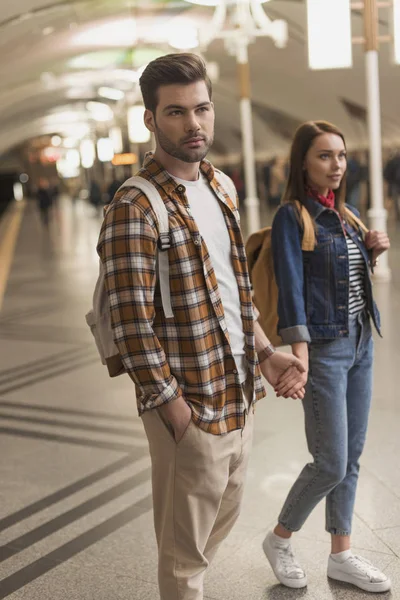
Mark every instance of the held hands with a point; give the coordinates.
(287, 373)
(378, 242)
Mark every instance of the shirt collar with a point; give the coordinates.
(164, 179)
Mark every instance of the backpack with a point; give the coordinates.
(99, 317)
(261, 269)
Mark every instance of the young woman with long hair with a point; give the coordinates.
(325, 310)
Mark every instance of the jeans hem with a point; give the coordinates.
(288, 528)
(335, 531)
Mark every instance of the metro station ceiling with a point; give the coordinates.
(50, 66)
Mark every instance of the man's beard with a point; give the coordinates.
(185, 154)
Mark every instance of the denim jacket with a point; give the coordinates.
(313, 301)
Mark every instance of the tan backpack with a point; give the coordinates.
(261, 269)
(99, 317)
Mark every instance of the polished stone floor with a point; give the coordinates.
(75, 504)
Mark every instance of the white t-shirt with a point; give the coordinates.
(209, 218)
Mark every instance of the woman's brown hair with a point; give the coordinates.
(302, 142)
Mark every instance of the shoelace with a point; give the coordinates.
(289, 562)
(366, 567)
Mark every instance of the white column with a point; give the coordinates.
(377, 215)
(252, 202)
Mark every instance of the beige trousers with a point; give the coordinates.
(197, 492)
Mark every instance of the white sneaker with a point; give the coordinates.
(283, 562)
(358, 571)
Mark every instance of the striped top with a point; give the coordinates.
(357, 295)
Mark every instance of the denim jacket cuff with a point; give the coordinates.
(293, 335)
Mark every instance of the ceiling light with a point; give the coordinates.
(138, 132)
(56, 140)
(181, 34)
(49, 80)
(111, 93)
(121, 32)
(216, 2)
(88, 153)
(105, 149)
(99, 111)
(329, 15)
(116, 137)
(79, 92)
(97, 60)
(70, 142)
(396, 27)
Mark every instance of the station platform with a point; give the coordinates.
(75, 495)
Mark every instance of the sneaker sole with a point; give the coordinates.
(290, 583)
(383, 586)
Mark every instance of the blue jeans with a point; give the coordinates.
(336, 408)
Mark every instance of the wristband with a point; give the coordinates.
(266, 353)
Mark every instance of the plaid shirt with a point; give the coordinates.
(188, 355)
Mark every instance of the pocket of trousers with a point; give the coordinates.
(170, 430)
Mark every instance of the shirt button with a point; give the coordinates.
(234, 372)
(197, 242)
(181, 188)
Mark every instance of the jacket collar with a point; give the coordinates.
(314, 207)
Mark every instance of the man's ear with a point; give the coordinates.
(149, 120)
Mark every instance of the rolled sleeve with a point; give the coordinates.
(289, 274)
(128, 248)
(294, 335)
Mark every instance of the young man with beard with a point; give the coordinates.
(197, 374)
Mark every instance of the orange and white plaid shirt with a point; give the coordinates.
(188, 355)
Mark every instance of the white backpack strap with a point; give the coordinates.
(228, 185)
(164, 240)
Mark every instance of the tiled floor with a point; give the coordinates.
(75, 505)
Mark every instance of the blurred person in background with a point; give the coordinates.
(325, 308)
(113, 189)
(95, 195)
(277, 180)
(353, 180)
(391, 174)
(45, 200)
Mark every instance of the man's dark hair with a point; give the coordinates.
(172, 69)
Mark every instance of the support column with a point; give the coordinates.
(377, 215)
(252, 202)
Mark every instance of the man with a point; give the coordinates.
(196, 374)
(45, 200)
(391, 174)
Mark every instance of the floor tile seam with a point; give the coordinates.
(47, 363)
(92, 427)
(81, 496)
(382, 483)
(355, 546)
(93, 443)
(51, 375)
(135, 440)
(378, 529)
(91, 492)
(97, 516)
(71, 549)
(134, 418)
(68, 491)
(392, 551)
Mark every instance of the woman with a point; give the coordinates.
(325, 310)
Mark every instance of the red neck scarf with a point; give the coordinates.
(328, 201)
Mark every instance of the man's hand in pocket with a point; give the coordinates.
(178, 414)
